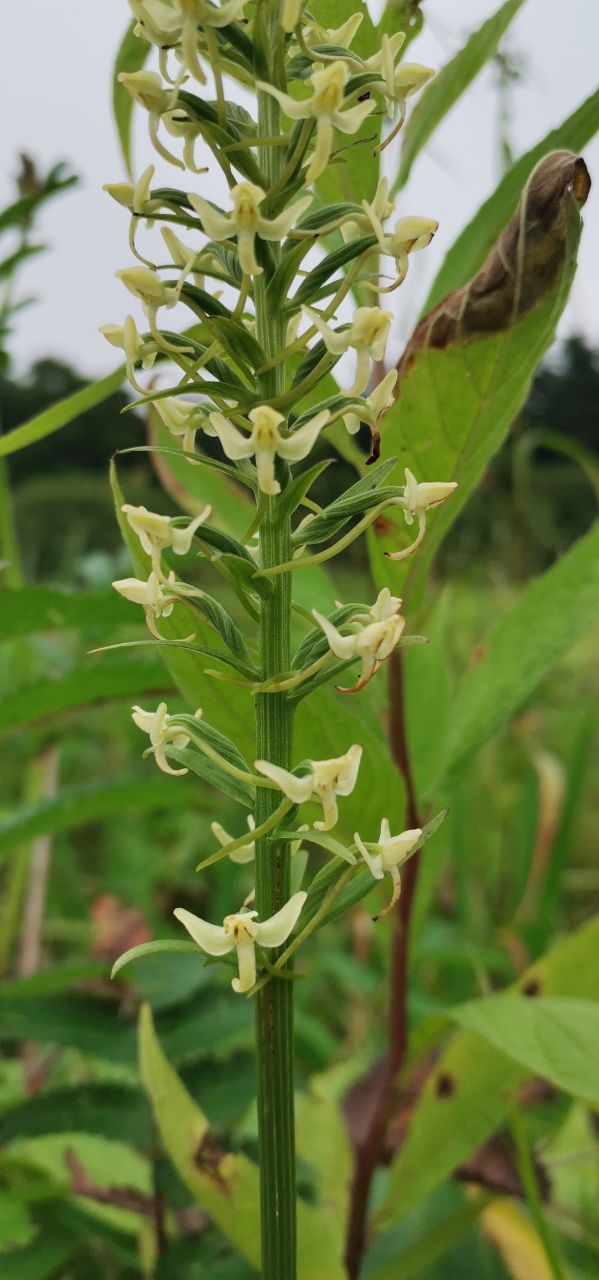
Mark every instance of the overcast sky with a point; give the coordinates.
(55, 102)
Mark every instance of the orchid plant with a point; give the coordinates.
(266, 278)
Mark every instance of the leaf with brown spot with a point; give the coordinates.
(444, 1131)
(467, 369)
(225, 1184)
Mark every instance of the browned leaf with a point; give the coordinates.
(522, 268)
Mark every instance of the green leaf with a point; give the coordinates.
(544, 622)
(439, 96)
(20, 213)
(225, 626)
(557, 1039)
(359, 498)
(96, 681)
(213, 774)
(428, 697)
(47, 1256)
(61, 413)
(16, 1226)
(467, 369)
(312, 287)
(473, 1086)
(75, 806)
(110, 1110)
(245, 573)
(293, 496)
(226, 1185)
(44, 609)
(473, 244)
(131, 56)
(323, 1143)
(151, 949)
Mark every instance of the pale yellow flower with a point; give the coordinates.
(367, 334)
(326, 107)
(325, 780)
(373, 638)
(266, 441)
(245, 222)
(387, 855)
(241, 932)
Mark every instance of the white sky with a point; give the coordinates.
(55, 103)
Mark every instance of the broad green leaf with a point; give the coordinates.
(96, 681)
(473, 244)
(557, 1039)
(45, 609)
(46, 1257)
(225, 1184)
(428, 1247)
(439, 96)
(467, 369)
(208, 1026)
(474, 1086)
(110, 1110)
(323, 1143)
(16, 1226)
(543, 623)
(61, 413)
(427, 691)
(131, 56)
(74, 806)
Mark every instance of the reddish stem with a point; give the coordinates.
(370, 1147)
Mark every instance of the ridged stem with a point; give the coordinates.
(274, 1003)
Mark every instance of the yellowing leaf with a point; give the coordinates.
(517, 1241)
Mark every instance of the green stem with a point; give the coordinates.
(533, 1196)
(274, 1005)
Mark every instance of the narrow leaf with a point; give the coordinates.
(94, 682)
(77, 805)
(61, 413)
(543, 623)
(152, 949)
